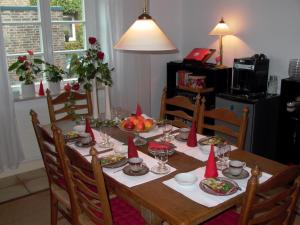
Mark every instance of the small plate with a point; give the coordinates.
(178, 138)
(244, 174)
(81, 145)
(116, 161)
(129, 172)
(185, 179)
(220, 186)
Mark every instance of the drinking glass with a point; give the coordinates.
(167, 129)
(105, 139)
(223, 153)
(162, 159)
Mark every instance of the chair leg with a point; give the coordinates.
(54, 209)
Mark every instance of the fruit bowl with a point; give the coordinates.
(137, 124)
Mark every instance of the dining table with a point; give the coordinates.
(166, 203)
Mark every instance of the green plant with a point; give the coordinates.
(26, 67)
(90, 66)
(73, 45)
(54, 73)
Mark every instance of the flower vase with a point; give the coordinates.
(54, 87)
(107, 103)
(28, 90)
(95, 99)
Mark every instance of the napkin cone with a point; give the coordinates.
(132, 149)
(88, 128)
(192, 138)
(138, 111)
(211, 167)
(41, 89)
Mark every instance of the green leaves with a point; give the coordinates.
(14, 66)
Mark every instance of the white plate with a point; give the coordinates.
(185, 179)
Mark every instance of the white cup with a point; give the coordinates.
(184, 133)
(136, 164)
(85, 138)
(236, 167)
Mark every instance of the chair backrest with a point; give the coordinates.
(51, 158)
(229, 121)
(181, 105)
(273, 202)
(65, 105)
(89, 195)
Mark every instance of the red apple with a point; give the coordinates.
(140, 126)
(128, 125)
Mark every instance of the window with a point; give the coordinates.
(53, 29)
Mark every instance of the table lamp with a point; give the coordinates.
(221, 29)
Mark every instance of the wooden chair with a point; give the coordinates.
(270, 203)
(89, 197)
(228, 119)
(182, 104)
(78, 103)
(59, 197)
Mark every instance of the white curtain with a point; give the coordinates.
(132, 75)
(11, 153)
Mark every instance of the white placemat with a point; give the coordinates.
(86, 150)
(131, 181)
(194, 192)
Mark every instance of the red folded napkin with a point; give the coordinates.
(138, 111)
(41, 89)
(211, 167)
(132, 149)
(88, 128)
(154, 145)
(192, 138)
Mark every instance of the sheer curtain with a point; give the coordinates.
(11, 153)
(132, 73)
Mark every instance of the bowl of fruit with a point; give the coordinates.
(137, 124)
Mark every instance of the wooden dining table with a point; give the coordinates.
(166, 203)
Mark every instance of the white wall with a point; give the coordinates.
(261, 26)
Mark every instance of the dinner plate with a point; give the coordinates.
(220, 186)
(244, 174)
(81, 145)
(130, 172)
(115, 164)
(178, 138)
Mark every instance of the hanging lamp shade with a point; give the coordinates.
(144, 35)
(221, 29)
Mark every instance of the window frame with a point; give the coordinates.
(45, 25)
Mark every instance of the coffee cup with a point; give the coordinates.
(136, 164)
(184, 133)
(85, 138)
(236, 167)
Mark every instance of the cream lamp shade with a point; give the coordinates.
(221, 29)
(144, 35)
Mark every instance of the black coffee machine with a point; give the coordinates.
(250, 76)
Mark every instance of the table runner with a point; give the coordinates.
(194, 192)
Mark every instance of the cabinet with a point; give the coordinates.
(262, 127)
(218, 79)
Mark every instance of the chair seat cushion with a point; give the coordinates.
(122, 214)
(229, 217)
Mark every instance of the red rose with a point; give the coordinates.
(100, 55)
(67, 87)
(92, 40)
(75, 86)
(30, 52)
(21, 59)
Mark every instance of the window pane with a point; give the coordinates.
(71, 9)
(63, 60)
(19, 10)
(68, 36)
(20, 38)
(14, 79)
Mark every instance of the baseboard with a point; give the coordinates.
(24, 167)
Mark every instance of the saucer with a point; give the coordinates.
(178, 138)
(244, 174)
(81, 145)
(129, 172)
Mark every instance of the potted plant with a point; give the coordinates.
(54, 75)
(67, 35)
(27, 68)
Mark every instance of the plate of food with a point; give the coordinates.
(219, 186)
(205, 143)
(137, 124)
(71, 136)
(113, 161)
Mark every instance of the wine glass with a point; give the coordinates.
(162, 158)
(222, 154)
(167, 129)
(105, 139)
